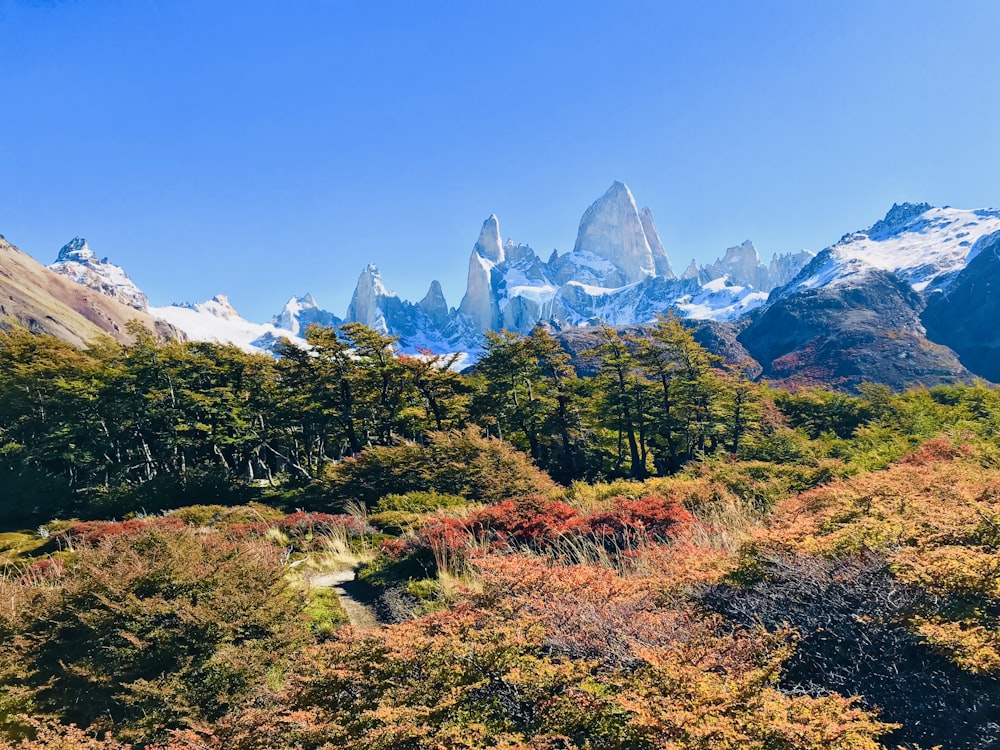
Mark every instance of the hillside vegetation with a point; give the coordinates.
(661, 556)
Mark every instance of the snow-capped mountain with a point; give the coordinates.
(216, 320)
(618, 272)
(741, 265)
(301, 312)
(853, 312)
(78, 262)
(924, 246)
(862, 308)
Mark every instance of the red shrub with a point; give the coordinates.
(935, 450)
(92, 532)
(47, 567)
(538, 523)
(655, 518)
(531, 521)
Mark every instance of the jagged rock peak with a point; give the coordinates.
(489, 245)
(78, 262)
(612, 229)
(897, 216)
(691, 272)
(742, 254)
(77, 250)
(660, 258)
(365, 304)
(434, 304)
(371, 277)
(435, 291)
(301, 312)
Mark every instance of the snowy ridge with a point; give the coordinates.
(924, 246)
(78, 262)
(217, 321)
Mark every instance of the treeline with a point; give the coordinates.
(112, 429)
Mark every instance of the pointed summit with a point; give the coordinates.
(366, 305)
(489, 245)
(691, 272)
(301, 312)
(76, 250)
(480, 303)
(612, 229)
(78, 262)
(660, 259)
(434, 305)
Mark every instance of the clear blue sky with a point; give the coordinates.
(262, 149)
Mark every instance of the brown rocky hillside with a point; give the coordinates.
(41, 300)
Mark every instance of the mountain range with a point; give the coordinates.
(908, 300)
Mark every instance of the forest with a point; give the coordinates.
(662, 554)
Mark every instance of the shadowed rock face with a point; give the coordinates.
(844, 335)
(965, 316)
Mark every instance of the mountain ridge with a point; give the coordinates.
(797, 313)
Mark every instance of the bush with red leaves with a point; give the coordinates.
(539, 524)
(938, 449)
(92, 532)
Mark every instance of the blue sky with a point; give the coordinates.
(264, 149)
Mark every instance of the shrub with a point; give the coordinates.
(149, 630)
(854, 619)
(420, 502)
(451, 463)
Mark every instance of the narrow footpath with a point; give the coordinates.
(352, 595)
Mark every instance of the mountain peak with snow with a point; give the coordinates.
(78, 262)
(489, 244)
(479, 304)
(897, 216)
(216, 320)
(924, 246)
(301, 312)
(76, 250)
(613, 230)
(365, 305)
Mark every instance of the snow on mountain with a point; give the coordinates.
(301, 312)
(216, 320)
(613, 229)
(785, 266)
(618, 273)
(368, 301)
(926, 247)
(742, 266)
(418, 327)
(78, 262)
(479, 304)
(720, 299)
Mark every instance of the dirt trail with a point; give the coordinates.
(352, 597)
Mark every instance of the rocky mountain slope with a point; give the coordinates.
(45, 301)
(964, 315)
(856, 312)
